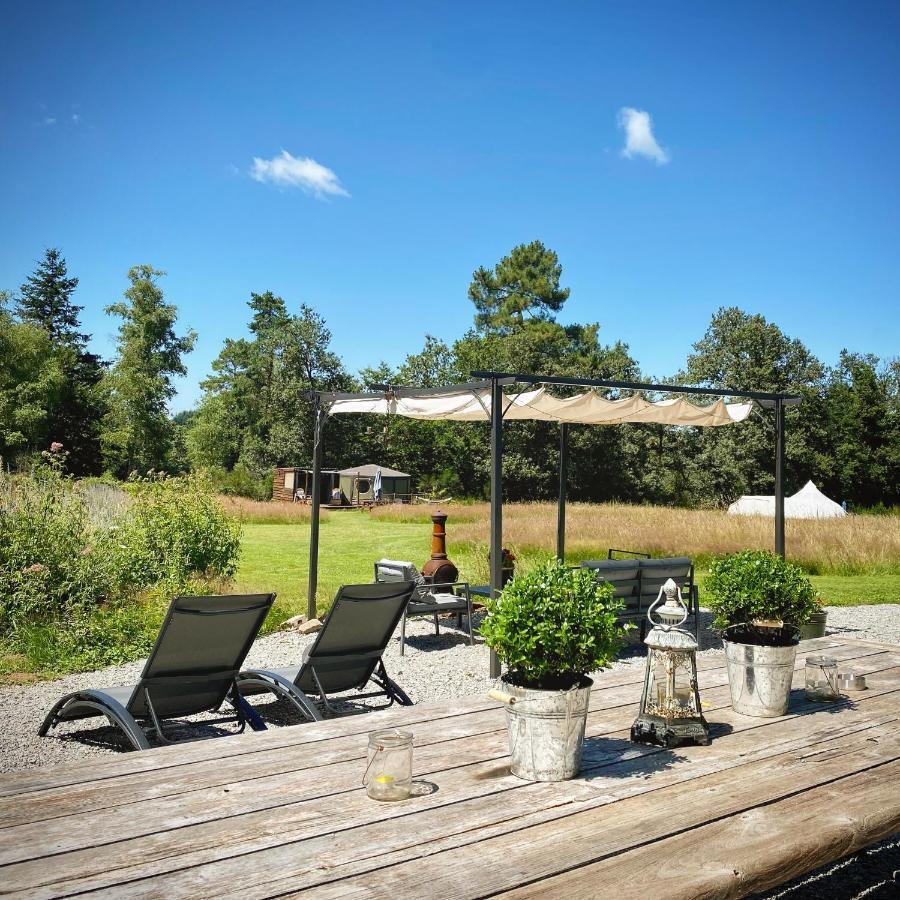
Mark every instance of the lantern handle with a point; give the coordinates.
(673, 589)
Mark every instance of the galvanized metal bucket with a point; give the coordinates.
(760, 677)
(546, 730)
(815, 627)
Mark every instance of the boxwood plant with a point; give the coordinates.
(553, 625)
(756, 584)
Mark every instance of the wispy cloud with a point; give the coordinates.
(304, 172)
(76, 119)
(639, 138)
(49, 120)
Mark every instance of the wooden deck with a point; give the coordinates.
(283, 813)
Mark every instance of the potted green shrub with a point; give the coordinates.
(759, 602)
(550, 627)
(815, 627)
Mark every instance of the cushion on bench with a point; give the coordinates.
(637, 581)
(656, 572)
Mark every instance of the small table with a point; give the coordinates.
(284, 812)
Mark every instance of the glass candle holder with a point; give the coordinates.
(821, 678)
(388, 773)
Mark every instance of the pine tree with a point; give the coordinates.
(73, 414)
(138, 433)
(45, 300)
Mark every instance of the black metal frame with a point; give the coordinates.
(495, 381)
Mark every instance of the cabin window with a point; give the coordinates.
(363, 485)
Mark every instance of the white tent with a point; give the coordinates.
(808, 503)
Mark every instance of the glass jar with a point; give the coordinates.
(388, 773)
(821, 678)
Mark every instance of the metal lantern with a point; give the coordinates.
(670, 713)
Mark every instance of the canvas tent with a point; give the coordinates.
(808, 503)
(529, 398)
(358, 484)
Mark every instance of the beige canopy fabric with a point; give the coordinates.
(473, 404)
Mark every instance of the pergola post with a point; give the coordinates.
(496, 501)
(316, 501)
(563, 480)
(779, 476)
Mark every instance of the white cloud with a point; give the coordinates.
(639, 139)
(302, 172)
(49, 120)
(76, 118)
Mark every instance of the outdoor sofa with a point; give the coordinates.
(637, 582)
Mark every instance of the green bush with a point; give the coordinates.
(756, 584)
(115, 633)
(240, 482)
(174, 531)
(553, 625)
(50, 564)
(84, 576)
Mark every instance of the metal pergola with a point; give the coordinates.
(495, 382)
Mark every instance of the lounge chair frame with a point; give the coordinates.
(314, 665)
(138, 728)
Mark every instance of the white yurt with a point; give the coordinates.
(808, 503)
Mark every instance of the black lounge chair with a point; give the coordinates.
(346, 654)
(192, 669)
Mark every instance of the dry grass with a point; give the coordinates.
(850, 545)
(267, 512)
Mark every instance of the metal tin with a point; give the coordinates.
(850, 681)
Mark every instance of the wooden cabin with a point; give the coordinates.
(346, 487)
(286, 480)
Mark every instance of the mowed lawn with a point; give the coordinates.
(275, 557)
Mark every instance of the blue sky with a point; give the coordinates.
(440, 136)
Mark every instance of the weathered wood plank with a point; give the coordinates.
(171, 808)
(746, 853)
(37, 805)
(546, 831)
(521, 804)
(532, 855)
(222, 748)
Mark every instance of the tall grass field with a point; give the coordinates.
(851, 560)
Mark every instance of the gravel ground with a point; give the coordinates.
(434, 668)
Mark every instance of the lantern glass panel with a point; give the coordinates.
(670, 693)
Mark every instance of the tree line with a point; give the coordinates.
(110, 416)
(255, 412)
